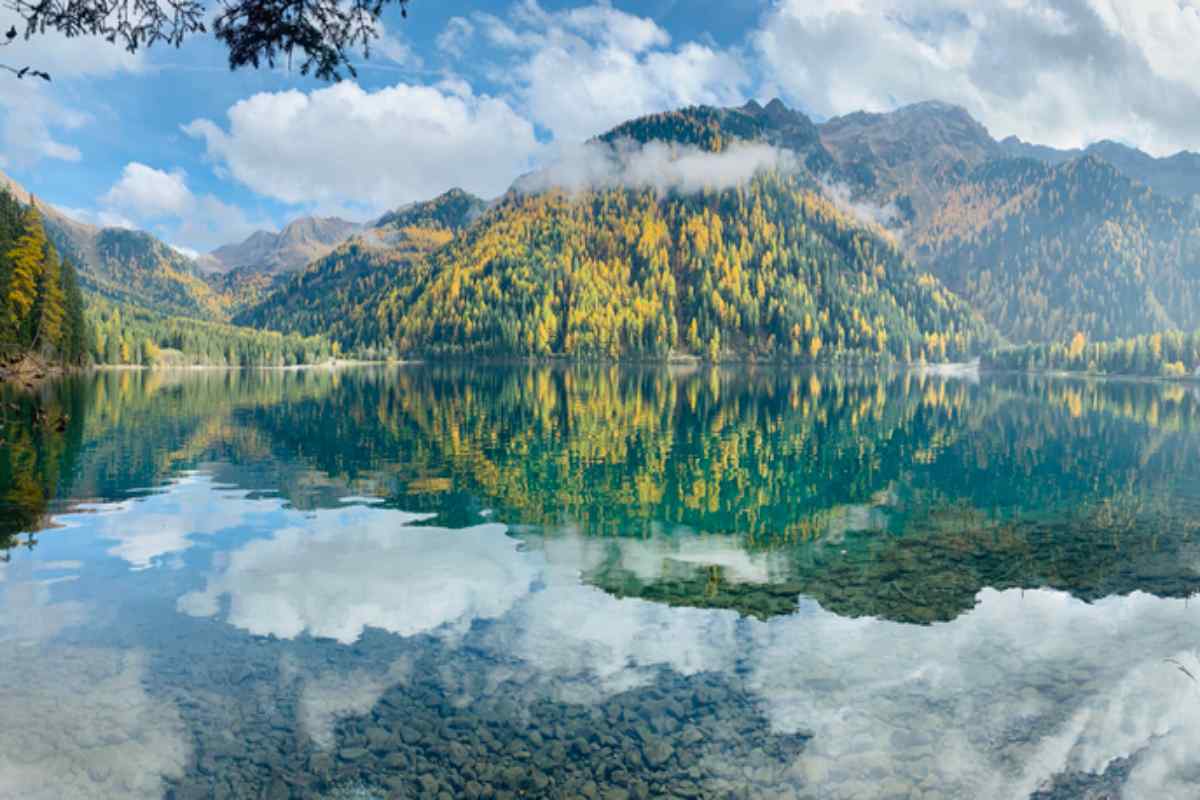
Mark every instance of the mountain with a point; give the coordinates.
(126, 266)
(1044, 243)
(911, 156)
(768, 270)
(452, 210)
(135, 268)
(338, 294)
(897, 236)
(300, 242)
(712, 129)
(1176, 176)
(1046, 251)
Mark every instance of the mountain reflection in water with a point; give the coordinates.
(600, 582)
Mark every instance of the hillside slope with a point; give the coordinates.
(769, 270)
(126, 266)
(1044, 252)
(339, 295)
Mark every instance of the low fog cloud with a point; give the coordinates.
(885, 216)
(656, 165)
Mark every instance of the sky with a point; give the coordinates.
(474, 94)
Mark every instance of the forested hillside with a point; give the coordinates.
(339, 295)
(134, 268)
(769, 270)
(1045, 252)
(1172, 354)
(41, 307)
(45, 311)
(128, 335)
(1040, 250)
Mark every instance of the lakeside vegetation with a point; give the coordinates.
(42, 306)
(1172, 354)
(133, 336)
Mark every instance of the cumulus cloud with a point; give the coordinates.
(656, 165)
(151, 192)
(145, 196)
(375, 150)
(1059, 72)
(580, 71)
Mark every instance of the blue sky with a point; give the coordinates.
(472, 94)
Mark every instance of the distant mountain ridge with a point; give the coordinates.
(1176, 176)
(301, 241)
(911, 155)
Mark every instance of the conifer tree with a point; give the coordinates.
(76, 335)
(50, 305)
(26, 260)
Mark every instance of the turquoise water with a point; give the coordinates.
(595, 582)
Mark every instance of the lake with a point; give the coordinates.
(597, 582)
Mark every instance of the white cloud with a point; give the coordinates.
(144, 195)
(391, 47)
(581, 71)
(373, 149)
(458, 34)
(65, 57)
(151, 192)
(30, 119)
(32, 114)
(1058, 72)
(655, 165)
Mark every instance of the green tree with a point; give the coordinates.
(26, 259)
(50, 308)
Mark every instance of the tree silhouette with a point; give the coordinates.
(320, 34)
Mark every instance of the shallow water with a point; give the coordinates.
(424, 582)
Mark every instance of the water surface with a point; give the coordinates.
(594, 582)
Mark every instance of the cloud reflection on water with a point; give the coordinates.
(77, 722)
(1027, 684)
(333, 573)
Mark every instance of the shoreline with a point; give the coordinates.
(31, 372)
(326, 365)
(1185, 380)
